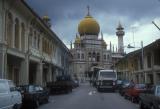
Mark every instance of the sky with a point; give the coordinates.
(136, 17)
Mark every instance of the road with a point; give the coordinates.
(86, 97)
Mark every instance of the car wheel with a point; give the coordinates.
(36, 103)
(152, 107)
(141, 105)
(125, 96)
(46, 100)
(15, 106)
(132, 99)
(99, 90)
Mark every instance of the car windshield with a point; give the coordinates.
(158, 91)
(119, 81)
(3, 88)
(32, 88)
(125, 81)
(108, 74)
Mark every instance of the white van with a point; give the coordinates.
(106, 80)
(10, 98)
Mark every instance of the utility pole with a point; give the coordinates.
(156, 25)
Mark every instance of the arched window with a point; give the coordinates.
(23, 37)
(98, 57)
(94, 56)
(43, 45)
(104, 56)
(49, 49)
(82, 55)
(74, 55)
(78, 56)
(30, 37)
(47, 46)
(38, 44)
(9, 29)
(89, 56)
(108, 57)
(16, 44)
(35, 40)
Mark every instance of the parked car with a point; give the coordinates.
(123, 87)
(150, 99)
(74, 83)
(118, 84)
(63, 84)
(9, 96)
(33, 96)
(133, 92)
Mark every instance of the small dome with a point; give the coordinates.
(46, 17)
(104, 43)
(88, 26)
(77, 40)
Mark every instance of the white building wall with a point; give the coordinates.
(20, 11)
(2, 17)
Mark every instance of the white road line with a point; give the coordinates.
(90, 93)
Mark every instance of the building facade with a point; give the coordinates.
(30, 52)
(90, 51)
(143, 65)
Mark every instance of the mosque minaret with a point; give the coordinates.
(120, 33)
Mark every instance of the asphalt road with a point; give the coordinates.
(86, 97)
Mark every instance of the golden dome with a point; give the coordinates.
(88, 26)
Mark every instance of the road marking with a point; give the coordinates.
(94, 92)
(51, 101)
(90, 93)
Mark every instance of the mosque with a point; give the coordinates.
(90, 51)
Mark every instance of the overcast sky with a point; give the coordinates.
(136, 17)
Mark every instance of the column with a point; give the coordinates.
(49, 74)
(53, 74)
(3, 61)
(145, 78)
(39, 74)
(24, 72)
(1, 26)
(139, 78)
(2, 21)
(154, 78)
(56, 73)
(2, 37)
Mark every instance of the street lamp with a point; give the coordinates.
(129, 46)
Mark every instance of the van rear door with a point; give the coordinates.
(5, 96)
(15, 95)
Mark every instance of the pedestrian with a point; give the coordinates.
(132, 82)
(90, 81)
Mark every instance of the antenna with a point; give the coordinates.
(155, 25)
(88, 8)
